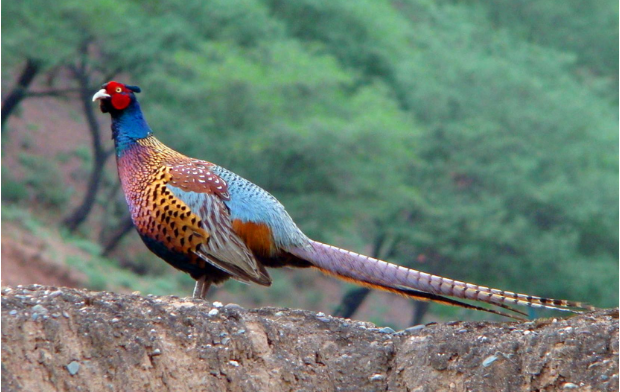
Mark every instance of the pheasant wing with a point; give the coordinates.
(208, 220)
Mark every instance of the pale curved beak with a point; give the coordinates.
(100, 95)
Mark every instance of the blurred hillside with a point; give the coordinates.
(477, 140)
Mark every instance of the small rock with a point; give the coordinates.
(415, 328)
(320, 314)
(489, 360)
(65, 314)
(217, 304)
(233, 363)
(377, 377)
(279, 314)
(73, 368)
(233, 306)
(241, 331)
(39, 309)
(225, 340)
(156, 352)
(386, 330)
(213, 312)
(13, 312)
(324, 319)
(569, 385)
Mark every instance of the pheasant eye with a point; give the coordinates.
(118, 90)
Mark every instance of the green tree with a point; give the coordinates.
(475, 138)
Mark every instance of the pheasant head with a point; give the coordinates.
(115, 96)
(128, 124)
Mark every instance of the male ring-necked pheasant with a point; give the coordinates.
(215, 225)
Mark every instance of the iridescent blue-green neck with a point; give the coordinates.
(128, 125)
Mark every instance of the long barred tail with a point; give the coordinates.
(376, 273)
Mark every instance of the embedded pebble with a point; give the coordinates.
(489, 360)
(234, 363)
(13, 312)
(156, 352)
(213, 312)
(217, 304)
(73, 368)
(233, 306)
(377, 377)
(415, 328)
(386, 330)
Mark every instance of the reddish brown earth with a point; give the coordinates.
(44, 127)
(25, 260)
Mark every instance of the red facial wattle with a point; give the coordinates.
(120, 100)
(119, 94)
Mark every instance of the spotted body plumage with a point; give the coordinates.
(215, 225)
(177, 206)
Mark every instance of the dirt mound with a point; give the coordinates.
(66, 340)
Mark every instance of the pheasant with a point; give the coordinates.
(214, 225)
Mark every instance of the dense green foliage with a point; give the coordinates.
(481, 137)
